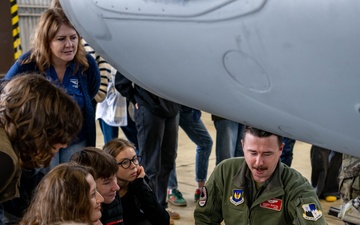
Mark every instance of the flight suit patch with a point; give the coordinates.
(311, 212)
(237, 197)
(274, 204)
(203, 197)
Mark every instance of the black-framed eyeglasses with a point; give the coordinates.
(126, 163)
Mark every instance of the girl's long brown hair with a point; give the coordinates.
(62, 195)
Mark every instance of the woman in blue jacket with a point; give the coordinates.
(58, 54)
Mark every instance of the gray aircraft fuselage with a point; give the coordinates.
(289, 67)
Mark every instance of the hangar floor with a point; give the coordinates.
(186, 171)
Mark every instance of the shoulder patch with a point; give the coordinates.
(311, 212)
(273, 204)
(237, 197)
(203, 197)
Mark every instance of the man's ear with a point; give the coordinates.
(282, 147)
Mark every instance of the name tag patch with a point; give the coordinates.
(273, 204)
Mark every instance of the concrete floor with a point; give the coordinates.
(186, 171)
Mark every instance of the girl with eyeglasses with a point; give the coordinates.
(139, 202)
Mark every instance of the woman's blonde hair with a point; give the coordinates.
(36, 115)
(62, 195)
(46, 29)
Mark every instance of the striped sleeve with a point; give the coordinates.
(105, 71)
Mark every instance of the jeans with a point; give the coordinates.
(197, 132)
(228, 139)
(157, 138)
(130, 133)
(65, 153)
(110, 132)
(287, 153)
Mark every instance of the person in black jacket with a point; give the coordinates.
(139, 202)
(157, 122)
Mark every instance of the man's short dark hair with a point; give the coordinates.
(260, 133)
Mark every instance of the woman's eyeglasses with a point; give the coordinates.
(126, 163)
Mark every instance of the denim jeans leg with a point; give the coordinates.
(130, 133)
(197, 132)
(226, 136)
(287, 153)
(109, 132)
(65, 154)
(54, 162)
(173, 183)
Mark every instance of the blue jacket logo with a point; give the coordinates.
(75, 83)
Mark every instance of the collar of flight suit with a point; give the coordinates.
(273, 186)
